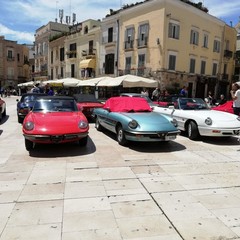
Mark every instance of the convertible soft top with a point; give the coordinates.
(127, 104)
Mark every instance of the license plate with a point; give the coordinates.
(170, 137)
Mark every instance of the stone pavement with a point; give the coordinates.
(181, 190)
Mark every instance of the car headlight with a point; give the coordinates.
(174, 122)
(208, 121)
(29, 126)
(133, 124)
(83, 124)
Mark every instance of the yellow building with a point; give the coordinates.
(176, 42)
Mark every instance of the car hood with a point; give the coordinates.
(152, 121)
(56, 122)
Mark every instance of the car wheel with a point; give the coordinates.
(83, 142)
(4, 113)
(20, 120)
(192, 131)
(28, 145)
(121, 136)
(98, 126)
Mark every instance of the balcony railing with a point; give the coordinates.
(129, 45)
(10, 59)
(142, 42)
(228, 54)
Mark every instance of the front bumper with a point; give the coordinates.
(218, 132)
(151, 136)
(55, 138)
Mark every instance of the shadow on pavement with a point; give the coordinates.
(171, 146)
(222, 141)
(62, 150)
(4, 119)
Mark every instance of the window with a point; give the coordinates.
(216, 46)
(73, 52)
(10, 54)
(109, 63)
(141, 64)
(192, 65)
(205, 40)
(172, 62)
(128, 65)
(18, 57)
(110, 34)
(61, 54)
(51, 57)
(72, 70)
(143, 35)
(173, 30)
(203, 66)
(194, 37)
(129, 38)
(90, 47)
(214, 69)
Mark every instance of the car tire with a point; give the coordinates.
(121, 136)
(192, 130)
(4, 113)
(83, 142)
(28, 145)
(20, 120)
(98, 126)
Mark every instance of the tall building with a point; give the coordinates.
(42, 37)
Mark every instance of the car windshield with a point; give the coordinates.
(192, 104)
(55, 105)
(29, 98)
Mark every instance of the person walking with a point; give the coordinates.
(235, 94)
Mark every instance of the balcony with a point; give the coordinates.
(10, 59)
(128, 45)
(142, 42)
(89, 52)
(71, 54)
(228, 54)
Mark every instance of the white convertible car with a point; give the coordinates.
(197, 119)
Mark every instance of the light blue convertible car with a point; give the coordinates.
(132, 119)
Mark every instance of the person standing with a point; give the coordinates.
(235, 94)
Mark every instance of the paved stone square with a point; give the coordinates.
(147, 191)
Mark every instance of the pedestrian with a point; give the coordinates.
(222, 99)
(235, 94)
(50, 92)
(156, 94)
(145, 92)
(183, 91)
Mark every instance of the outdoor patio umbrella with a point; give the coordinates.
(70, 82)
(129, 81)
(93, 81)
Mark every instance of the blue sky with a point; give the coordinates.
(19, 19)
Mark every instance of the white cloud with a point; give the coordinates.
(13, 35)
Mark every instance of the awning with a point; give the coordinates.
(87, 63)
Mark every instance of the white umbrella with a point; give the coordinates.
(93, 81)
(70, 82)
(56, 83)
(136, 81)
(28, 84)
(109, 82)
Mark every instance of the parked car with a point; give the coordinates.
(168, 100)
(87, 102)
(2, 109)
(25, 104)
(132, 119)
(55, 119)
(226, 107)
(197, 119)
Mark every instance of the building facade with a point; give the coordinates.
(43, 36)
(176, 43)
(14, 63)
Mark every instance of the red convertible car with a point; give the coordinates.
(87, 102)
(2, 109)
(55, 119)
